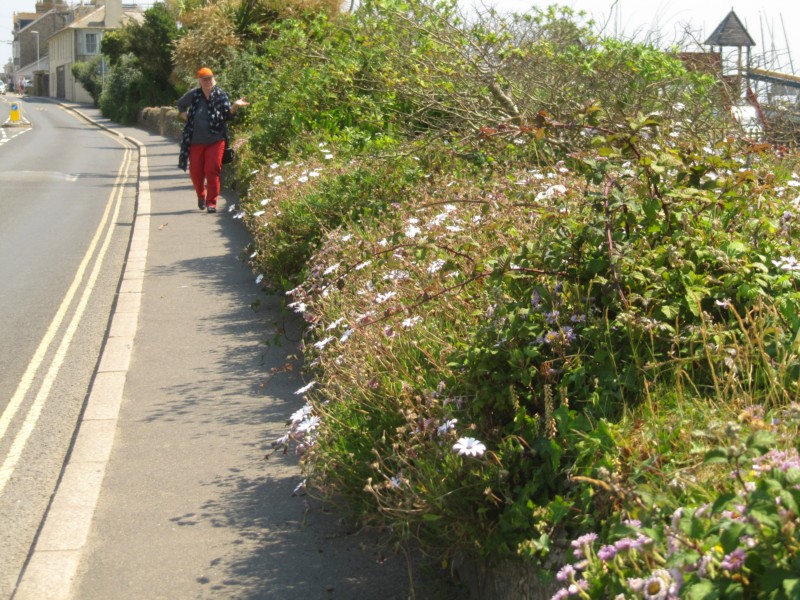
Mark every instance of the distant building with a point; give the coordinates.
(50, 40)
(80, 42)
(735, 73)
(29, 46)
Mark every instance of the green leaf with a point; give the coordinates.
(669, 311)
(735, 248)
(761, 440)
(730, 537)
(793, 476)
(717, 455)
(788, 501)
(774, 580)
(792, 587)
(703, 590)
(722, 501)
(694, 295)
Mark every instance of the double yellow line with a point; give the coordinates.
(104, 232)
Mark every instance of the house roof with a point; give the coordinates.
(730, 32)
(97, 18)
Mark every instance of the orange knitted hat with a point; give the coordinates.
(204, 72)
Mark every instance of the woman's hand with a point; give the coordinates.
(239, 103)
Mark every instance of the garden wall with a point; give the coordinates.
(162, 120)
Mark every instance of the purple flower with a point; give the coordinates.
(623, 544)
(734, 560)
(658, 586)
(575, 588)
(551, 317)
(566, 573)
(551, 337)
(607, 553)
(782, 460)
(632, 522)
(636, 584)
(536, 300)
(640, 542)
(581, 543)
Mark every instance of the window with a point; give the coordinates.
(91, 43)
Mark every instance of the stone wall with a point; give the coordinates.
(162, 120)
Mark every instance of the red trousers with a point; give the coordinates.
(205, 165)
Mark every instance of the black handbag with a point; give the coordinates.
(229, 154)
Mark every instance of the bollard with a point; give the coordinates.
(15, 119)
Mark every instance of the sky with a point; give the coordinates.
(9, 7)
(665, 20)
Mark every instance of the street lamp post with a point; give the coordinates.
(36, 33)
(36, 87)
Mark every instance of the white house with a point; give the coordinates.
(80, 41)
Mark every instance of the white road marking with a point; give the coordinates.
(21, 439)
(54, 561)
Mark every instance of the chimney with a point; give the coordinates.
(113, 13)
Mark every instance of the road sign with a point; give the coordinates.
(14, 117)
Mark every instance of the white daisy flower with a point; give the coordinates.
(381, 298)
(309, 424)
(305, 388)
(335, 324)
(322, 343)
(412, 231)
(436, 266)
(410, 322)
(467, 446)
(446, 426)
(300, 414)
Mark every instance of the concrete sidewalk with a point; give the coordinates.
(186, 504)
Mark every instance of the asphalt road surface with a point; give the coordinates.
(67, 194)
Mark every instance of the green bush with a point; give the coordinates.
(315, 81)
(525, 310)
(742, 543)
(530, 319)
(141, 65)
(89, 76)
(292, 207)
(123, 93)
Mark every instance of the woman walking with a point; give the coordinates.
(206, 110)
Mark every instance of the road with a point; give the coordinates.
(67, 195)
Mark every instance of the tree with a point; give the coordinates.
(88, 75)
(150, 44)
